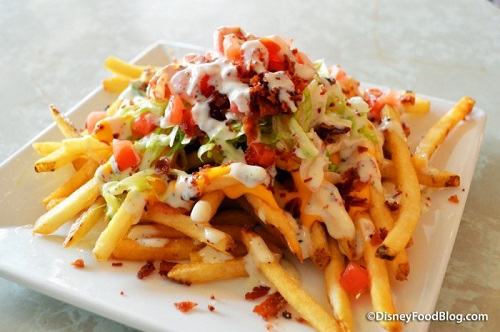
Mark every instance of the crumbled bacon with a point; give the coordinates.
(270, 307)
(185, 306)
(453, 199)
(165, 268)
(257, 291)
(146, 270)
(211, 307)
(117, 264)
(79, 263)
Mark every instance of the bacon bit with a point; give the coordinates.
(269, 327)
(376, 239)
(146, 270)
(79, 263)
(383, 233)
(301, 320)
(165, 268)
(257, 291)
(211, 307)
(185, 306)
(212, 297)
(270, 307)
(286, 314)
(453, 199)
(117, 264)
(122, 293)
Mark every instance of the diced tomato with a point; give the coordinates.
(221, 33)
(377, 99)
(93, 118)
(145, 124)
(125, 155)
(205, 88)
(188, 126)
(270, 307)
(355, 279)
(174, 110)
(259, 154)
(276, 62)
(232, 47)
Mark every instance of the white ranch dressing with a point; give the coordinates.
(327, 203)
(211, 255)
(280, 81)
(214, 235)
(249, 175)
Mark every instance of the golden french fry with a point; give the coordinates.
(199, 272)
(148, 230)
(206, 207)
(82, 176)
(128, 213)
(407, 184)
(206, 234)
(122, 68)
(176, 249)
(337, 295)
(65, 126)
(72, 149)
(438, 132)
(115, 84)
(85, 222)
(380, 288)
(293, 293)
(384, 222)
(320, 254)
(79, 200)
(438, 179)
(279, 219)
(46, 148)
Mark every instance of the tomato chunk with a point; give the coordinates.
(276, 62)
(174, 110)
(145, 123)
(125, 155)
(355, 279)
(93, 118)
(205, 88)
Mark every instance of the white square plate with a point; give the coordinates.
(42, 264)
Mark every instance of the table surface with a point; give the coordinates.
(53, 53)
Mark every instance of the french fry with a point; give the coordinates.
(85, 222)
(437, 178)
(384, 222)
(320, 254)
(176, 249)
(206, 234)
(380, 288)
(337, 295)
(148, 230)
(115, 84)
(82, 176)
(206, 207)
(278, 219)
(128, 213)
(199, 272)
(65, 126)
(122, 68)
(438, 132)
(79, 200)
(72, 149)
(407, 184)
(46, 148)
(294, 294)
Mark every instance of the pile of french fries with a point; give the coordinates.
(251, 224)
